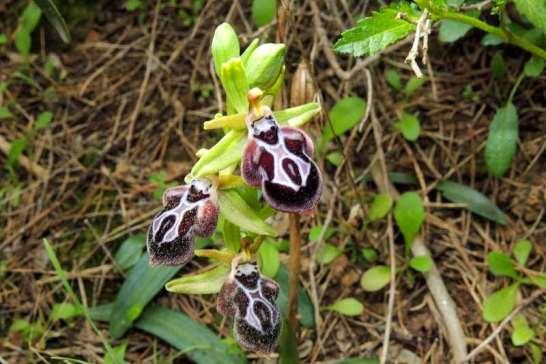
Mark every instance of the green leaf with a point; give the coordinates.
(536, 354)
(315, 231)
(491, 40)
(451, 30)
(55, 18)
(225, 153)
(132, 5)
(30, 17)
(375, 278)
(534, 67)
(265, 65)
(196, 340)
(65, 311)
(534, 10)
(224, 46)
(421, 263)
(501, 144)
(3, 39)
(236, 210)
(141, 285)
(373, 34)
(327, 253)
(17, 148)
(381, 205)
(413, 85)
(288, 345)
(43, 120)
(474, 200)
(263, 11)
(370, 254)
(498, 66)
(23, 42)
(538, 280)
(499, 305)
(269, 259)
(336, 158)
(306, 311)
(5, 113)
(522, 333)
(521, 251)
(409, 214)
(393, 79)
(410, 127)
(206, 281)
(345, 114)
(347, 306)
(235, 85)
(130, 251)
(116, 355)
(232, 236)
(500, 265)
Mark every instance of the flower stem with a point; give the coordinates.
(504, 34)
(295, 268)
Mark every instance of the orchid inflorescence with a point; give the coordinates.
(275, 156)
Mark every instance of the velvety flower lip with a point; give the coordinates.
(251, 299)
(278, 159)
(189, 210)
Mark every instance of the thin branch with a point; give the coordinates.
(421, 31)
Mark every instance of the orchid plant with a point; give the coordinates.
(274, 156)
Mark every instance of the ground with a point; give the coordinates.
(129, 96)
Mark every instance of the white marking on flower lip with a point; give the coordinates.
(279, 153)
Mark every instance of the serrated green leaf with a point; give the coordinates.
(421, 263)
(206, 281)
(522, 333)
(500, 265)
(224, 46)
(327, 253)
(534, 67)
(347, 306)
(375, 33)
(225, 153)
(501, 144)
(142, 283)
(409, 126)
(263, 11)
(521, 251)
(55, 18)
(393, 79)
(306, 312)
(381, 205)
(235, 84)
(475, 201)
(236, 210)
(130, 251)
(499, 304)
(409, 214)
(345, 114)
(534, 10)
(65, 311)
(269, 259)
(375, 278)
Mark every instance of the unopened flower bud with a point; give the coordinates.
(265, 65)
(225, 45)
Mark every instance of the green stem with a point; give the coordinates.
(515, 87)
(501, 33)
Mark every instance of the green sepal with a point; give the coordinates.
(235, 84)
(265, 65)
(225, 153)
(249, 50)
(207, 281)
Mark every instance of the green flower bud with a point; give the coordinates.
(225, 45)
(265, 64)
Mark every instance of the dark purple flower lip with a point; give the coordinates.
(189, 210)
(278, 159)
(251, 299)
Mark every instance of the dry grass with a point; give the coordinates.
(132, 103)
